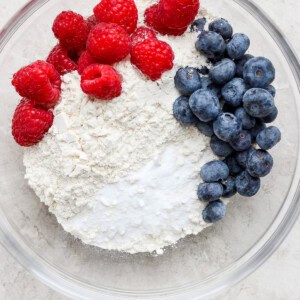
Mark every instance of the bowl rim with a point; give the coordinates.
(231, 275)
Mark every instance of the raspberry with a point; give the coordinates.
(108, 43)
(30, 123)
(84, 61)
(71, 30)
(92, 22)
(39, 82)
(152, 57)
(60, 59)
(121, 12)
(101, 81)
(141, 34)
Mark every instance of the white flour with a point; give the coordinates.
(123, 174)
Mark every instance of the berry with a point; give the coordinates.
(108, 43)
(187, 80)
(211, 44)
(259, 72)
(259, 126)
(30, 123)
(205, 105)
(121, 12)
(271, 117)
(219, 147)
(247, 121)
(226, 127)
(61, 60)
(268, 138)
(92, 22)
(233, 91)
(242, 157)
(152, 57)
(246, 185)
(233, 166)
(198, 25)
(39, 82)
(260, 163)
(238, 45)
(271, 89)
(84, 61)
(222, 27)
(182, 112)
(205, 128)
(101, 81)
(214, 171)
(214, 212)
(229, 188)
(242, 141)
(258, 102)
(209, 191)
(240, 64)
(142, 34)
(223, 71)
(71, 30)
(207, 84)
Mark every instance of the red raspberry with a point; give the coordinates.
(108, 43)
(30, 123)
(84, 61)
(39, 82)
(121, 12)
(152, 57)
(101, 81)
(71, 30)
(60, 59)
(92, 21)
(141, 34)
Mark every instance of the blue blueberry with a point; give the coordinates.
(271, 89)
(206, 128)
(205, 105)
(229, 188)
(223, 71)
(259, 72)
(187, 80)
(260, 163)
(182, 112)
(207, 84)
(238, 45)
(268, 138)
(233, 166)
(214, 212)
(210, 191)
(242, 157)
(258, 102)
(210, 44)
(246, 185)
(219, 147)
(242, 141)
(233, 91)
(247, 121)
(214, 171)
(240, 64)
(259, 126)
(198, 25)
(226, 127)
(222, 27)
(271, 117)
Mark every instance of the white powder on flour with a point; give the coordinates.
(123, 174)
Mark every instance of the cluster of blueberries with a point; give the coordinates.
(231, 106)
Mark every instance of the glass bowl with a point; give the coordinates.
(198, 266)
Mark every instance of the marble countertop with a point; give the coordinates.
(277, 279)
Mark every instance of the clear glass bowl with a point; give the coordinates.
(199, 265)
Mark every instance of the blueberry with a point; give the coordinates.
(259, 126)
(182, 111)
(219, 147)
(238, 45)
(233, 166)
(198, 25)
(214, 171)
(242, 141)
(271, 89)
(205, 128)
(258, 102)
(226, 127)
(229, 188)
(247, 121)
(240, 64)
(268, 138)
(187, 80)
(259, 72)
(246, 185)
(214, 212)
(210, 191)
(222, 27)
(207, 84)
(271, 117)
(210, 44)
(233, 91)
(205, 105)
(242, 157)
(223, 71)
(260, 163)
